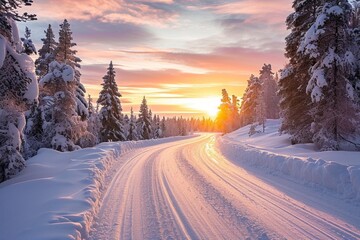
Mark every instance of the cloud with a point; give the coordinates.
(148, 12)
(92, 31)
(223, 59)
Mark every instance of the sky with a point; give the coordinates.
(177, 53)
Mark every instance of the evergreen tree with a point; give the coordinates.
(224, 116)
(250, 101)
(18, 88)
(163, 127)
(112, 128)
(144, 120)
(260, 109)
(295, 104)
(46, 53)
(133, 135)
(28, 45)
(271, 100)
(235, 115)
(157, 131)
(329, 43)
(93, 124)
(65, 128)
(65, 54)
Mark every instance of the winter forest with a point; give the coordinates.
(45, 105)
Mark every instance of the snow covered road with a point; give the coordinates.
(188, 190)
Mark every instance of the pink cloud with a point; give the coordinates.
(128, 11)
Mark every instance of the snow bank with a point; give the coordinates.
(337, 171)
(57, 195)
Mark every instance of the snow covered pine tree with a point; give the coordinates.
(333, 77)
(18, 88)
(295, 104)
(64, 54)
(112, 128)
(249, 101)
(46, 53)
(65, 129)
(133, 135)
(28, 45)
(144, 121)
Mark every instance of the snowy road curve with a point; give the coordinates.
(188, 190)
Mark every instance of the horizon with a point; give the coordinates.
(179, 55)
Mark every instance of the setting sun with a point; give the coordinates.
(208, 105)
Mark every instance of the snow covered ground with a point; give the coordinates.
(338, 171)
(57, 195)
(184, 188)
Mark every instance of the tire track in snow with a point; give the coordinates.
(187, 190)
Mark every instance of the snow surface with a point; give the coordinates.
(57, 195)
(188, 190)
(338, 171)
(174, 188)
(2, 50)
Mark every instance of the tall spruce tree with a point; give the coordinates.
(46, 53)
(18, 88)
(295, 104)
(270, 98)
(65, 128)
(112, 128)
(223, 118)
(29, 47)
(144, 120)
(333, 77)
(250, 100)
(65, 54)
(235, 114)
(132, 135)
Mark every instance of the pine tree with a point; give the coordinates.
(249, 101)
(18, 88)
(329, 43)
(163, 127)
(295, 104)
(224, 116)
(144, 120)
(46, 53)
(65, 128)
(65, 54)
(157, 131)
(28, 45)
(260, 109)
(112, 128)
(235, 115)
(133, 135)
(270, 97)
(93, 125)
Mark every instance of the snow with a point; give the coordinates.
(336, 171)
(58, 193)
(188, 190)
(15, 35)
(2, 50)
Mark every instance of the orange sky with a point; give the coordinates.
(178, 53)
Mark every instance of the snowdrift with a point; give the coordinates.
(58, 194)
(336, 171)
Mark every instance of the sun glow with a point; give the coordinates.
(207, 105)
